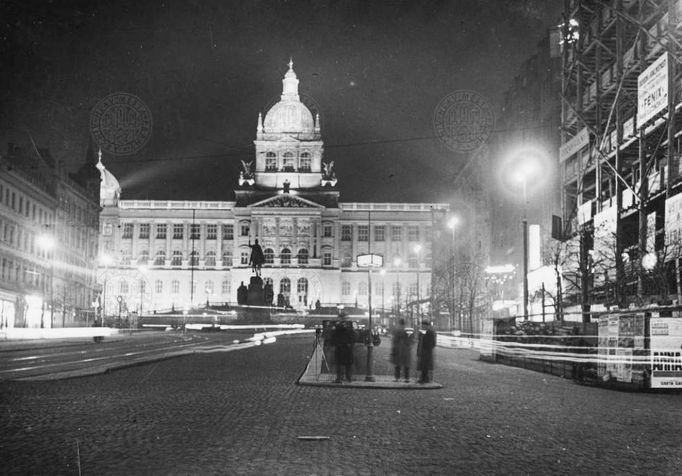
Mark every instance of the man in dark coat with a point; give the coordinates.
(401, 350)
(343, 339)
(427, 341)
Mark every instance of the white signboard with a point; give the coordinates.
(652, 90)
(572, 146)
(370, 261)
(673, 226)
(666, 352)
(585, 212)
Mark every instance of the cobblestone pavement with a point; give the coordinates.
(242, 413)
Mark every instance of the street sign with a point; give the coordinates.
(370, 260)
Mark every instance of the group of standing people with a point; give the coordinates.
(401, 351)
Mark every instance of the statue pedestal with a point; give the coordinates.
(255, 294)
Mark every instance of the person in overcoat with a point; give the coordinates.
(401, 350)
(427, 342)
(343, 339)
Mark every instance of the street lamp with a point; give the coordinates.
(396, 262)
(105, 260)
(525, 171)
(417, 249)
(47, 243)
(452, 224)
(383, 302)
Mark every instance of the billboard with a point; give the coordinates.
(652, 90)
(620, 341)
(573, 145)
(673, 226)
(666, 352)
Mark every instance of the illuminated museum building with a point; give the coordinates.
(176, 254)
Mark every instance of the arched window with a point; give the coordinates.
(226, 287)
(270, 162)
(175, 286)
(285, 256)
(158, 287)
(303, 256)
(194, 258)
(345, 288)
(269, 254)
(288, 162)
(144, 257)
(123, 287)
(227, 258)
(160, 258)
(285, 286)
(177, 258)
(302, 286)
(210, 258)
(305, 162)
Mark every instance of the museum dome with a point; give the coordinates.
(289, 115)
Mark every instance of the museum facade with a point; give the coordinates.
(164, 255)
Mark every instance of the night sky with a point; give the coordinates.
(206, 69)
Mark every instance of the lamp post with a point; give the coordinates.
(105, 260)
(526, 170)
(417, 249)
(396, 262)
(47, 243)
(383, 302)
(452, 224)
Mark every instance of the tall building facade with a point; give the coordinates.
(163, 255)
(49, 225)
(620, 150)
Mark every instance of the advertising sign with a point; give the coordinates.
(666, 352)
(652, 90)
(673, 226)
(621, 336)
(573, 145)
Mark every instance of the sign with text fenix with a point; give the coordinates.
(652, 90)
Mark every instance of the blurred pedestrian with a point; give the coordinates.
(401, 349)
(343, 339)
(427, 341)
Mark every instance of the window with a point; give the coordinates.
(379, 288)
(328, 230)
(194, 258)
(175, 286)
(161, 231)
(211, 232)
(209, 287)
(346, 232)
(302, 286)
(362, 288)
(228, 232)
(346, 260)
(269, 254)
(160, 258)
(396, 289)
(178, 229)
(305, 162)
(413, 233)
(158, 286)
(193, 286)
(413, 261)
(379, 231)
(123, 287)
(226, 287)
(194, 231)
(127, 230)
(413, 289)
(244, 228)
(303, 256)
(210, 258)
(227, 258)
(285, 286)
(326, 258)
(270, 162)
(396, 233)
(177, 258)
(244, 257)
(363, 232)
(144, 257)
(345, 288)
(288, 162)
(144, 230)
(285, 256)
(126, 257)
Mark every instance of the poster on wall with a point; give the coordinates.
(620, 337)
(673, 226)
(666, 352)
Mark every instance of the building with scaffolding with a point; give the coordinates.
(619, 158)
